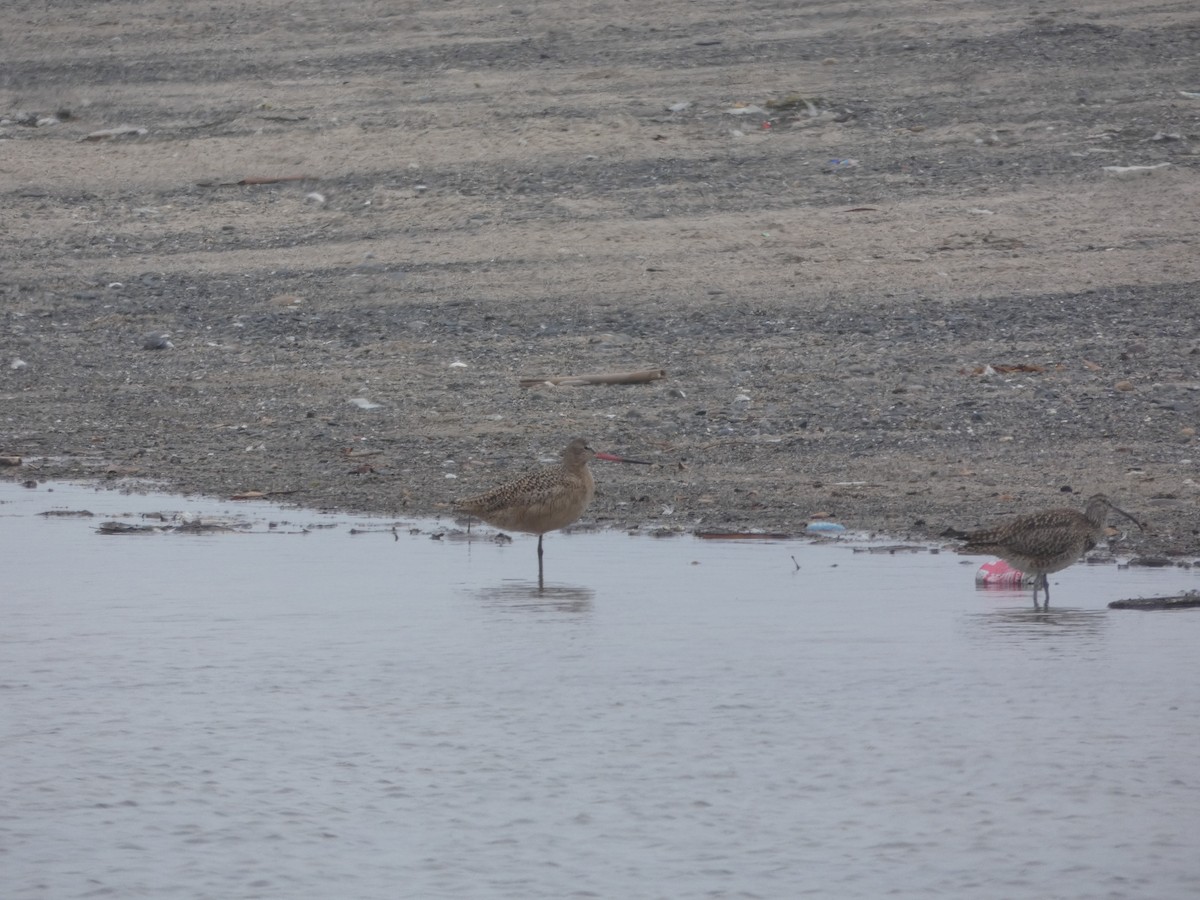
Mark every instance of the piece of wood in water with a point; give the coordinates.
(1182, 601)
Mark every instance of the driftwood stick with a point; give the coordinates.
(257, 179)
(274, 179)
(641, 377)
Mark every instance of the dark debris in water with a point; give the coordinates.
(1182, 601)
(187, 526)
(742, 536)
(1152, 562)
(207, 528)
(125, 528)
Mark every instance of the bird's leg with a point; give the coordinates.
(541, 581)
(1041, 582)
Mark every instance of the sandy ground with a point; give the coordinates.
(875, 249)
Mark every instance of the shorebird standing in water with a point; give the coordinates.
(1045, 542)
(545, 499)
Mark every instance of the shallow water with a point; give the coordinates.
(327, 714)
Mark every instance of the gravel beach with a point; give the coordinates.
(908, 268)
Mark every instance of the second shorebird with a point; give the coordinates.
(1045, 542)
(545, 499)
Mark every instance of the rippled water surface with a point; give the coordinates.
(281, 714)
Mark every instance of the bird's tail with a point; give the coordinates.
(978, 542)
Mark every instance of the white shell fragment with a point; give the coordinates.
(1132, 171)
(107, 134)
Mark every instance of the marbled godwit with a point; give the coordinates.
(1045, 542)
(543, 500)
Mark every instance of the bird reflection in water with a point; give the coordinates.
(537, 596)
(1023, 624)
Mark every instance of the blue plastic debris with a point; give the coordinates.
(826, 527)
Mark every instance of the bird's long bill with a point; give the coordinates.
(609, 457)
(1117, 509)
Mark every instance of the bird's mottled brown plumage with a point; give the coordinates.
(543, 500)
(1045, 542)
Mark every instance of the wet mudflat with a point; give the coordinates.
(310, 705)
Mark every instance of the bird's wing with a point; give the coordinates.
(534, 489)
(1047, 539)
